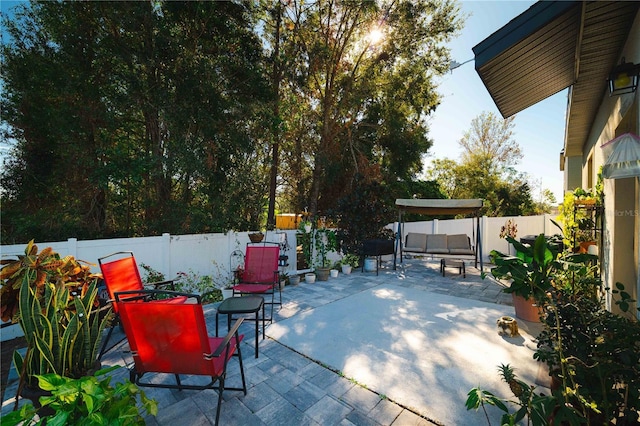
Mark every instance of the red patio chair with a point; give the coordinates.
(260, 274)
(169, 338)
(122, 274)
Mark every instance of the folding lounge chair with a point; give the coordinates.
(260, 274)
(169, 338)
(122, 274)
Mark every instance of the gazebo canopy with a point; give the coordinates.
(439, 207)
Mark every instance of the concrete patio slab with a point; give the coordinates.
(422, 350)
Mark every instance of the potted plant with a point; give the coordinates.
(325, 242)
(294, 279)
(55, 301)
(349, 261)
(529, 272)
(305, 226)
(87, 400)
(592, 355)
(256, 237)
(283, 280)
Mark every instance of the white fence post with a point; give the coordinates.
(72, 247)
(166, 255)
(484, 229)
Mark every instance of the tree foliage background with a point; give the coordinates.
(137, 118)
(486, 170)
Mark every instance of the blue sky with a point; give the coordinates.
(539, 130)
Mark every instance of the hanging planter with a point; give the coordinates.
(256, 237)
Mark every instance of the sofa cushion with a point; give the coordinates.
(459, 244)
(416, 242)
(437, 243)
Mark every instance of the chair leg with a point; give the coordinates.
(244, 383)
(106, 340)
(220, 389)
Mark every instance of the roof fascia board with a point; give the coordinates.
(520, 27)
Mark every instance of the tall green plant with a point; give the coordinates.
(530, 270)
(325, 242)
(58, 311)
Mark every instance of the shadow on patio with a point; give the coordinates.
(403, 347)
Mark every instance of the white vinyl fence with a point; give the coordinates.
(210, 254)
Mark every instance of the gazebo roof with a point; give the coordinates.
(438, 206)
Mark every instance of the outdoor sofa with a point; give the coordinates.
(439, 245)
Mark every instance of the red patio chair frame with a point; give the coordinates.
(260, 274)
(169, 338)
(122, 274)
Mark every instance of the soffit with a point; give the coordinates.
(551, 46)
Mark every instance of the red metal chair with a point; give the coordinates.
(169, 338)
(260, 273)
(122, 274)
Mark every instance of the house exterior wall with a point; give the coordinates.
(572, 173)
(617, 115)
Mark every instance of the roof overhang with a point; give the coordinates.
(551, 46)
(437, 207)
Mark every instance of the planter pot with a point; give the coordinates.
(282, 284)
(322, 274)
(346, 269)
(370, 264)
(585, 246)
(256, 237)
(227, 293)
(526, 309)
(310, 278)
(334, 273)
(294, 279)
(307, 228)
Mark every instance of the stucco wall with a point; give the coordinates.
(618, 115)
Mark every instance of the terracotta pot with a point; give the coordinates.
(322, 274)
(526, 309)
(584, 246)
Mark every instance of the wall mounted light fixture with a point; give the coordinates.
(623, 78)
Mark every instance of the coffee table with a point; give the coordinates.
(453, 263)
(242, 305)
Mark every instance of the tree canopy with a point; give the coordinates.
(486, 170)
(137, 118)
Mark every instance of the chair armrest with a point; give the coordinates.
(233, 331)
(162, 284)
(132, 295)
